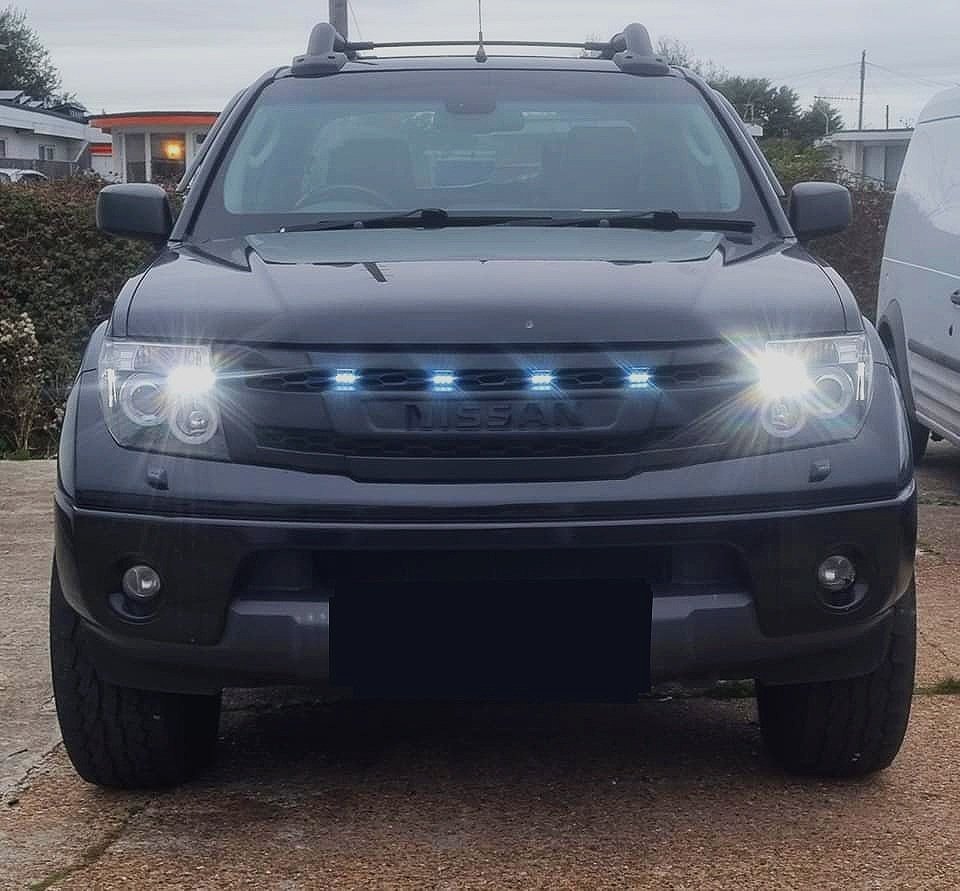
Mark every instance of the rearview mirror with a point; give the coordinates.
(819, 209)
(135, 210)
(496, 121)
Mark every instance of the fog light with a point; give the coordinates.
(837, 573)
(141, 583)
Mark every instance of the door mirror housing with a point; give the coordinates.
(135, 210)
(819, 209)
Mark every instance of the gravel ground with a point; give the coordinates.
(672, 793)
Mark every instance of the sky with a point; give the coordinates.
(127, 55)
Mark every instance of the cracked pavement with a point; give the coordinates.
(674, 793)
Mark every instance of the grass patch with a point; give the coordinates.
(947, 687)
(18, 455)
(938, 501)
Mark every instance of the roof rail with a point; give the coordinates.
(327, 51)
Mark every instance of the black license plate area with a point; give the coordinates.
(556, 640)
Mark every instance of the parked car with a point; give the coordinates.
(486, 376)
(919, 305)
(15, 175)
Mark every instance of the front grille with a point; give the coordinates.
(413, 380)
(322, 442)
(381, 414)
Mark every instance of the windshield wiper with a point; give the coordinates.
(660, 220)
(437, 218)
(421, 218)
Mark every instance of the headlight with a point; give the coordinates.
(161, 397)
(819, 387)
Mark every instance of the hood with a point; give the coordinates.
(489, 286)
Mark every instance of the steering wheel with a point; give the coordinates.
(371, 195)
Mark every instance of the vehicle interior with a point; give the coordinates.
(654, 150)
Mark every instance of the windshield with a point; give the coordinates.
(496, 142)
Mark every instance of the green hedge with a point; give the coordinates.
(857, 253)
(56, 267)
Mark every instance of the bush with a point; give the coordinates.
(858, 253)
(19, 381)
(59, 270)
(795, 163)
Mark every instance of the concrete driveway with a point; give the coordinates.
(674, 793)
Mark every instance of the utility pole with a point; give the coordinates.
(863, 80)
(339, 17)
(888, 118)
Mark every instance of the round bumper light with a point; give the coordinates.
(141, 583)
(837, 573)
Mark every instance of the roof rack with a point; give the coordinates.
(327, 51)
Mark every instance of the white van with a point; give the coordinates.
(918, 314)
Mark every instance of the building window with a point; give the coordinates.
(3, 148)
(168, 157)
(47, 152)
(135, 153)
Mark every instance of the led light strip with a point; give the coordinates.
(446, 380)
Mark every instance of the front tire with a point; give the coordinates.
(845, 728)
(122, 737)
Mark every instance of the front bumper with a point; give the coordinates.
(247, 602)
(252, 557)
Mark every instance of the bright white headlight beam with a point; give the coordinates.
(190, 380)
(781, 375)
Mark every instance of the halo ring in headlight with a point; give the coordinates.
(782, 375)
(832, 393)
(143, 400)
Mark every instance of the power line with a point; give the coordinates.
(913, 77)
(804, 74)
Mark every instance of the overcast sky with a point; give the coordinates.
(125, 55)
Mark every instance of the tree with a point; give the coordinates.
(24, 61)
(819, 120)
(795, 162)
(776, 109)
(676, 52)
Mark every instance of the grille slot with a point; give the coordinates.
(323, 442)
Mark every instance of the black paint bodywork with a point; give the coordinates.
(253, 551)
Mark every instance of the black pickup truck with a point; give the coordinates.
(489, 375)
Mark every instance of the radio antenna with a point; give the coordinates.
(481, 52)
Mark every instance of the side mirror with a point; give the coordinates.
(818, 209)
(135, 210)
